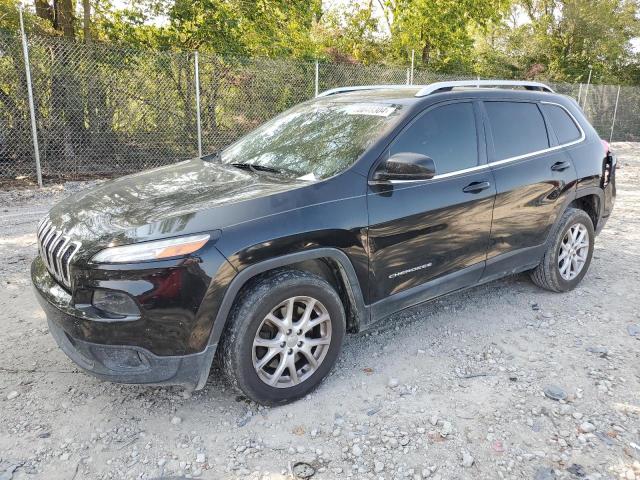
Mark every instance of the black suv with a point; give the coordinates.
(328, 218)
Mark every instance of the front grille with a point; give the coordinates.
(57, 251)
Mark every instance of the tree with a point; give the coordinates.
(559, 39)
(440, 31)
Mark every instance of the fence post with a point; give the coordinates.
(615, 112)
(413, 54)
(32, 108)
(197, 82)
(579, 93)
(586, 89)
(317, 79)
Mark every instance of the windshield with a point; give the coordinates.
(314, 140)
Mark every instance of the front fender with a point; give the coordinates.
(346, 268)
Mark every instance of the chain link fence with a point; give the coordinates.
(103, 110)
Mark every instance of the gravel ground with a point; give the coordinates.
(451, 389)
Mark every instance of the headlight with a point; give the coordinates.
(157, 250)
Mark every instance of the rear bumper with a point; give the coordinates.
(118, 363)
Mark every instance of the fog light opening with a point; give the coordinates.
(114, 304)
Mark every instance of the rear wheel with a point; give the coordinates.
(568, 256)
(284, 335)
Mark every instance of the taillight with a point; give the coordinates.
(607, 165)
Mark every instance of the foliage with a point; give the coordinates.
(556, 39)
(439, 30)
(560, 39)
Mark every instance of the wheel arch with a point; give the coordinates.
(589, 200)
(330, 263)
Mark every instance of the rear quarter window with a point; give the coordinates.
(518, 128)
(563, 125)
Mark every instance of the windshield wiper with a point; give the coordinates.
(253, 166)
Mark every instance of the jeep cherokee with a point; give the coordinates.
(332, 216)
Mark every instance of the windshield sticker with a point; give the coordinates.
(373, 109)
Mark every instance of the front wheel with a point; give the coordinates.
(568, 256)
(284, 335)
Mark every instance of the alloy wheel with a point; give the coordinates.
(574, 251)
(291, 342)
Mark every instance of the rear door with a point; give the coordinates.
(533, 175)
(436, 231)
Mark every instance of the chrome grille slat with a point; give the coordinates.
(59, 257)
(45, 246)
(51, 247)
(42, 225)
(54, 246)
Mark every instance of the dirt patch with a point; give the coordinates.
(451, 389)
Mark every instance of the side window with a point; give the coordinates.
(447, 134)
(518, 128)
(566, 129)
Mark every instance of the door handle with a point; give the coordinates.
(476, 187)
(560, 166)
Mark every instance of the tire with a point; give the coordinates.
(271, 295)
(549, 274)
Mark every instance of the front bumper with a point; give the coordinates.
(116, 363)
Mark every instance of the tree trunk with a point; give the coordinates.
(86, 20)
(44, 10)
(426, 53)
(64, 17)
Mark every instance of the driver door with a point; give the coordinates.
(429, 237)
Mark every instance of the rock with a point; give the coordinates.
(393, 383)
(176, 420)
(602, 352)
(586, 427)
(356, 450)
(372, 411)
(555, 393)
(633, 330)
(201, 458)
(577, 470)
(378, 467)
(13, 395)
(467, 459)
(604, 438)
(545, 473)
(447, 429)
(303, 470)
(64, 457)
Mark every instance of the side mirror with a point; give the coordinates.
(406, 166)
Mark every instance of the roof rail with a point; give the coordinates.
(447, 86)
(438, 87)
(335, 91)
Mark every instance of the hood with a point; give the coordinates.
(161, 202)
